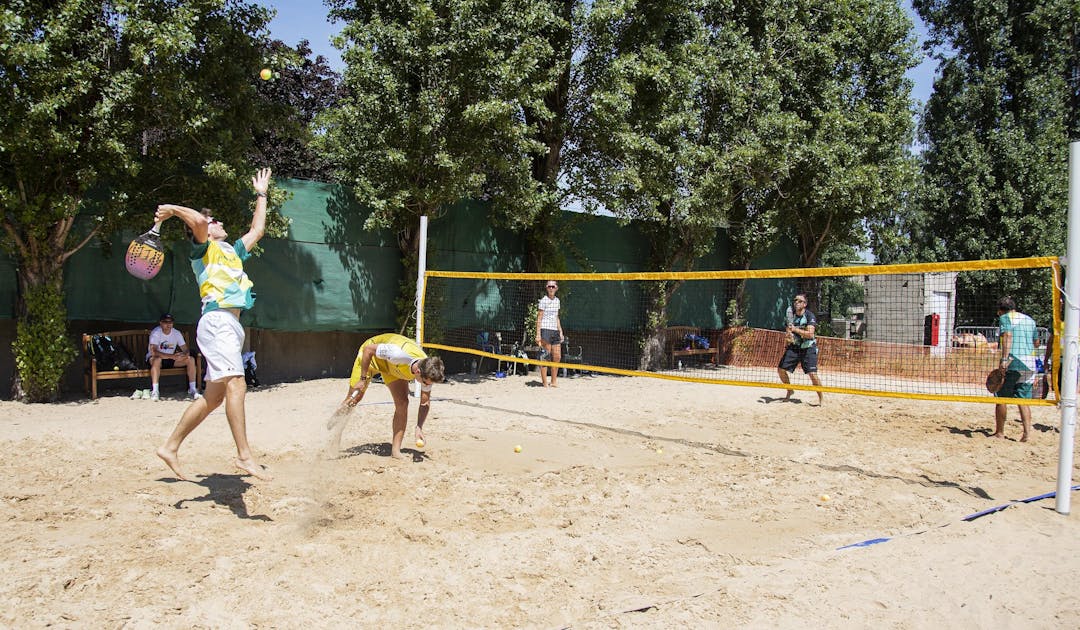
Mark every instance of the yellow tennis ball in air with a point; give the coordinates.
(419, 444)
(517, 449)
(266, 74)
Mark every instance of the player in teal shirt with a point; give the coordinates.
(1016, 343)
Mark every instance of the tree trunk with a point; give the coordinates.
(409, 246)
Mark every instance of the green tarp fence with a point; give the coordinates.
(330, 274)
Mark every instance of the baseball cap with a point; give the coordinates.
(166, 318)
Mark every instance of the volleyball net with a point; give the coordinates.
(927, 331)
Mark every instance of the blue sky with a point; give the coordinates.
(306, 19)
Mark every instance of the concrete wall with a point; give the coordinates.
(897, 307)
(894, 308)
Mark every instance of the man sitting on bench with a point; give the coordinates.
(167, 348)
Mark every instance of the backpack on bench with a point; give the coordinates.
(109, 355)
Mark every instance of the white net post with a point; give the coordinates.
(421, 267)
(1072, 328)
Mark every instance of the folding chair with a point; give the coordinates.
(485, 344)
(571, 354)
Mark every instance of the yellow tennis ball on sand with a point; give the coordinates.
(824, 498)
(266, 74)
(419, 444)
(659, 451)
(517, 449)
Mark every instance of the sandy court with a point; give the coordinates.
(633, 503)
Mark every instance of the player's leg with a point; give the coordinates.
(1025, 418)
(556, 356)
(787, 365)
(546, 349)
(817, 382)
(1000, 413)
(399, 390)
(1025, 390)
(155, 376)
(809, 366)
(189, 363)
(235, 391)
(192, 418)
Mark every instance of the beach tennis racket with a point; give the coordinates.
(145, 254)
(994, 380)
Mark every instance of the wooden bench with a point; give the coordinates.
(136, 343)
(675, 345)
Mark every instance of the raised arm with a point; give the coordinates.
(195, 220)
(261, 183)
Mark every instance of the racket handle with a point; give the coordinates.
(156, 230)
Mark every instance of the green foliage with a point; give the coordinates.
(299, 89)
(442, 101)
(733, 315)
(995, 131)
(42, 349)
(838, 295)
(842, 122)
(109, 108)
(529, 324)
(433, 103)
(644, 151)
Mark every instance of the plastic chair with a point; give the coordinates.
(571, 354)
(485, 344)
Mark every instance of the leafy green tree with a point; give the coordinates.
(995, 131)
(298, 89)
(108, 108)
(840, 72)
(642, 151)
(433, 111)
(549, 122)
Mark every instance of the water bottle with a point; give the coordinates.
(472, 368)
(680, 364)
(1039, 365)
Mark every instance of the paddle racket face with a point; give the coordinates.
(145, 254)
(995, 379)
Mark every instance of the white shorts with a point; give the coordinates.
(221, 340)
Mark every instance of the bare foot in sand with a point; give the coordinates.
(1000, 436)
(249, 466)
(397, 455)
(790, 393)
(172, 461)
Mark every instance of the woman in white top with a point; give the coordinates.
(549, 333)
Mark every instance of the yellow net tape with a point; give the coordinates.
(950, 368)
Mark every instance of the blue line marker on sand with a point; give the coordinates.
(968, 518)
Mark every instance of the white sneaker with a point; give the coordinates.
(154, 396)
(194, 395)
(137, 395)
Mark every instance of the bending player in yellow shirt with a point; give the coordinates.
(399, 360)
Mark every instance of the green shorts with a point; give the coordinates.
(1013, 388)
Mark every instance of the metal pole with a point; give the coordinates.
(421, 267)
(1071, 342)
